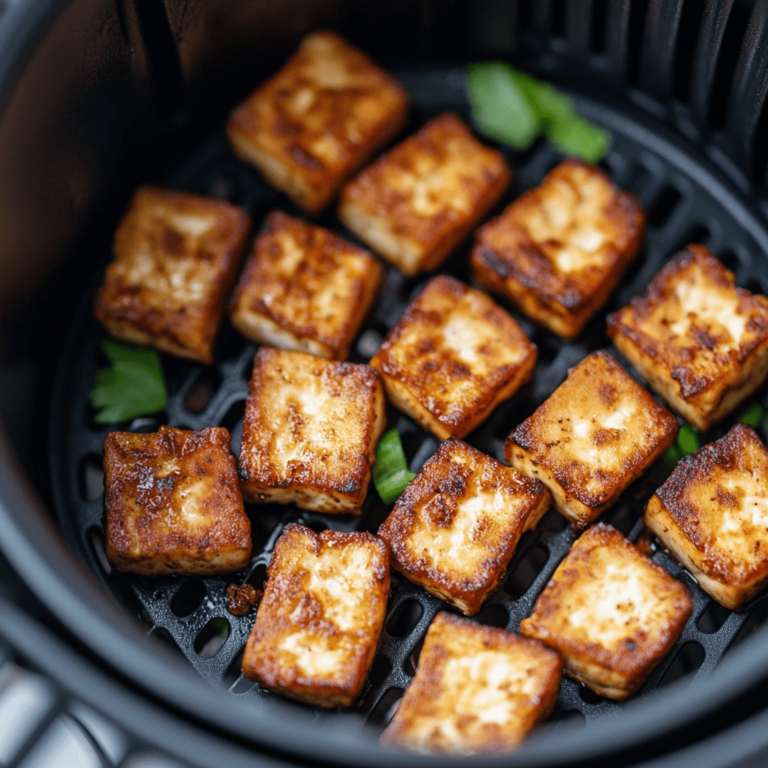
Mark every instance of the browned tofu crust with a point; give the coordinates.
(315, 122)
(318, 626)
(697, 339)
(610, 612)
(417, 202)
(559, 250)
(455, 527)
(453, 357)
(592, 437)
(712, 513)
(477, 690)
(172, 503)
(304, 288)
(176, 258)
(310, 431)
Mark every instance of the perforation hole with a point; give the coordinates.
(380, 670)
(412, 662)
(243, 685)
(526, 571)
(553, 521)
(731, 260)
(597, 30)
(622, 519)
(755, 619)
(714, 616)
(188, 598)
(90, 477)
(202, 391)
(493, 616)
(558, 18)
(148, 424)
(97, 543)
(588, 696)
(257, 578)
(696, 234)
(571, 719)
(754, 286)
(405, 618)
(224, 187)
(234, 670)
(386, 707)
(165, 637)
(689, 658)
(211, 638)
(233, 421)
(688, 32)
(663, 206)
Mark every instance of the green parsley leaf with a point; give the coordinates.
(133, 386)
(390, 472)
(550, 105)
(499, 107)
(753, 415)
(687, 440)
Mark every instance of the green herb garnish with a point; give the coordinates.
(390, 472)
(687, 440)
(133, 386)
(512, 107)
(753, 415)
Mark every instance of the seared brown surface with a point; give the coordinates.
(319, 622)
(610, 612)
(477, 690)
(172, 503)
(176, 257)
(304, 288)
(417, 202)
(591, 438)
(699, 341)
(317, 120)
(310, 431)
(559, 250)
(712, 513)
(453, 357)
(456, 526)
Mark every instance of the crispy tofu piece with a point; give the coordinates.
(176, 259)
(477, 690)
(319, 622)
(172, 503)
(417, 202)
(313, 124)
(310, 431)
(712, 514)
(455, 527)
(453, 357)
(304, 288)
(697, 339)
(595, 434)
(610, 612)
(559, 250)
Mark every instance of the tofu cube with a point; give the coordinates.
(453, 357)
(318, 625)
(610, 613)
(559, 250)
(310, 431)
(313, 124)
(417, 202)
(172, 503)
(712, 514)
(698, 340)
(176, 257)
(592, 437)
(304, 288)
(477, 690)
(455, 527)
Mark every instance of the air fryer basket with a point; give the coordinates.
(681, 87)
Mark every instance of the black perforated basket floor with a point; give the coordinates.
(687, 200)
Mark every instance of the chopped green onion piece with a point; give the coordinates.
(576, 136)
(390, 472)
(753, 415)
(687, 440)
(499, 107)
(664, 468)
(133, 386)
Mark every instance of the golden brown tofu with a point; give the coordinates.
(304, 288)
(319, 622)
(610, 612)
(416, 203)
(455, 527)
(596, 433)
(314, 123)
(176, 259)
(453, 357)
(310, 431)
(559, 250)
(477, 690)
(712, 513)
(172, 503)
(697, 339)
